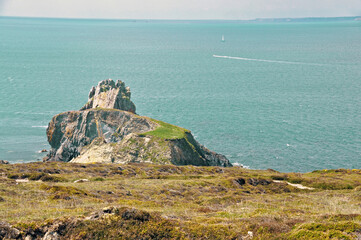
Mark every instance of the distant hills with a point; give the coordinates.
(309, 19)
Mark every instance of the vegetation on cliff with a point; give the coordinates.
(144, 201)
(166, 131)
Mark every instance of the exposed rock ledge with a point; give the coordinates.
(107, 130)
(108, 94)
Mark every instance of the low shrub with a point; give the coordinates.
(63, 192)
(35, 176)
(50, 178)
(97, 179)
(331, 185)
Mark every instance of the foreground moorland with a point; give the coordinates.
(143, 201)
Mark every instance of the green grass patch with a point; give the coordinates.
(166, 131)
(340, 230)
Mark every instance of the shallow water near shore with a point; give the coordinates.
(284, 96)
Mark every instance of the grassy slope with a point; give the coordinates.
(167, 131)
(185, 201)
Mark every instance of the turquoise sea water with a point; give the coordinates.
(290, 99)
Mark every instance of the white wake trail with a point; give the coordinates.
(269, 61)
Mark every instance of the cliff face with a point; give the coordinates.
(98, 134)
(69, 132)
(140, 148)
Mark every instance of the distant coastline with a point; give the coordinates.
(256, 20)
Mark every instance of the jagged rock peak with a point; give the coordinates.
(111, 95)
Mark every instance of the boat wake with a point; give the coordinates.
(269, 61)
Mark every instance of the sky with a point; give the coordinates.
(180, 9)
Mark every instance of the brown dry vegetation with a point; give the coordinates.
(181, 202)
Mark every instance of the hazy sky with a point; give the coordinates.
(180, 9)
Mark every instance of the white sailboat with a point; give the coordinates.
(223, 38)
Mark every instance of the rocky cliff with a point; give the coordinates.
(110, 94)
(106, 129)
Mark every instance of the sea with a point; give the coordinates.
(272, 95)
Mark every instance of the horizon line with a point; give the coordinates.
(185, 19)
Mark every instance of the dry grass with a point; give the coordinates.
(192, 200)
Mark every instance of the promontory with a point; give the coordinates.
(107, 129)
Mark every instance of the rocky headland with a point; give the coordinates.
(107, 129)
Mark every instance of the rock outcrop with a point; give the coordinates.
(69, 132)
(110, 94)
(68, 227)
(106, 129)
(8, 232)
